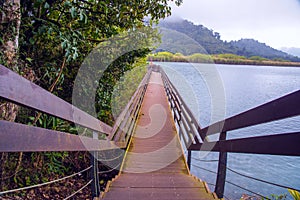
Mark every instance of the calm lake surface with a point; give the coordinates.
(214, 92)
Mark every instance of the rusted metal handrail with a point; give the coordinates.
(195, 137)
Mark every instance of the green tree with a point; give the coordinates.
(47, 40)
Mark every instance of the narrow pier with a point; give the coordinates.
(154, 167)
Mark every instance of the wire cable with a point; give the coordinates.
(205, 160)
(110, 159)
(240, 174)
(110, 170)
(210, 184)
(257, 179)
(68, 197)
(42, 184)
(247, 190)
(225, 197)
(246, 176)
(205, 169)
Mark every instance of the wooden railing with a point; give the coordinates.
(17, 137)
(195, 138)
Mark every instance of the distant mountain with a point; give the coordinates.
(293, 51)
(209, 40)
(182, 36)
(251, 47)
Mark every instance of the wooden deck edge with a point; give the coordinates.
(107, 186)
(214, 195)
(102, 194)
(133, 131)
(182, 150)
(109, 183)
(128, 146)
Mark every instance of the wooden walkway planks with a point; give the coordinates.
(154, 167)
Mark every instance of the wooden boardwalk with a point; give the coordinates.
(154, 167)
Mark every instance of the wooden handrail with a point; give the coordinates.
(17, 137)
(21, 91)
(281, 108)
(21, 138)
(286, 144)
(127, 118)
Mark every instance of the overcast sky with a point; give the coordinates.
(274, 22)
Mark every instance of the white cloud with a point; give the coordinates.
(274, 22)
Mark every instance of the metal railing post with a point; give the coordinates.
(221, 177)
(94, 172)
(189, 158)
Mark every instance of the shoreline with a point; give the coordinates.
(234, 62)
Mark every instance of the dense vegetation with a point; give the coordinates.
(218, 58)
(182, 36)
(47, 42)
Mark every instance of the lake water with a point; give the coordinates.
(214, 92)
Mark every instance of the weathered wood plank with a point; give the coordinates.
(22, 138)
(21, 91)
(281, 144)
(284, 107)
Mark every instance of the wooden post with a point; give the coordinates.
(94, 172)
(221, 177)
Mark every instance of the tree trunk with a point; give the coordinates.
(10, 19)
(10, 25)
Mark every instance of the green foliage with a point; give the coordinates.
(278, 197)
(54, 162)
(217, 58)
(280, 60)
(230, 56)
(55, 38)
(127, 85)
(274, 197)
(200, 58)
(162, 56)
(295, 194)
(54, 31)
(54, 123)
(258, 58)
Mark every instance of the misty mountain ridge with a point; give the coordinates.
(291, 50)
(183, 36)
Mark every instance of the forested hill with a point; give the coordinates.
(182, 36)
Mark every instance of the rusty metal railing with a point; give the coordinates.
(195, 138)
(17, 137)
